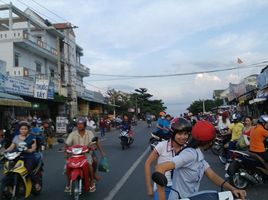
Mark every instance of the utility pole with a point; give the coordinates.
(204, 106)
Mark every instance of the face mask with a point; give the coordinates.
(162, 117)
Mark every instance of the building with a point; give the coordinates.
(43, 62)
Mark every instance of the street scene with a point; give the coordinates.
(122, 100)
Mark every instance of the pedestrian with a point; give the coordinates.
(102, 125)
(91, 124)
(165, 151)
(189, 166)
(48, 133)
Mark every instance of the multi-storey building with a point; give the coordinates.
(43, 62)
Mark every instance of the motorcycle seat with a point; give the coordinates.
(154, 136)
(257, 157)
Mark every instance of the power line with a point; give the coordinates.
(173, 75)
(36, 10)
(49, 10)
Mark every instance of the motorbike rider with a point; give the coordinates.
(165, 151)
(190, 165)
(29, 154)
(224, 121)
(84, 137)
(257, 136)
(126, 126)
(163, 126)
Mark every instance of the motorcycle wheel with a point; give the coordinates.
(237, 180)
(6, 188)
(216, 149)
(222, 156)
(75, 190)
(123, 143)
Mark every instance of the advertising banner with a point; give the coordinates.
(41, 88)
(15, 85)
(61, 124)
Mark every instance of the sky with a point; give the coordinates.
(159, 37)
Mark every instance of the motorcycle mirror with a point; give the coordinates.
(159, 178)
(95, 139)
(60, 140)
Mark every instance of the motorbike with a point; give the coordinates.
(154, 140)
(161, 180)
(16, 181)
(220, 146)
(246, 168)
(149, 123)
(77, 169)
(125, 139)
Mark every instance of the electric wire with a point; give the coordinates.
(50, 11)
(38, 12)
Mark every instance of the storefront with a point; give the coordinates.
(12, 106)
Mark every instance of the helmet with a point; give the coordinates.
(180, 124)
(263, 119)
(203, 131)
(225, 114)
(162, 113)
(81, 120)
(24, 123)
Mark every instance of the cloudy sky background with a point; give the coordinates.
(141, 37)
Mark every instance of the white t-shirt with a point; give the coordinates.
(165, 152)
(190, 166)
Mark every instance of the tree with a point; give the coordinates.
(197, 106)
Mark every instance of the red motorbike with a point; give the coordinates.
(77, 170)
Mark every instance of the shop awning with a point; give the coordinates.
(12, 100)
(257, 100)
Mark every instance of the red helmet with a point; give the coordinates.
(203, 131)
(225, 114)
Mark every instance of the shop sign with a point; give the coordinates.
(41, 88)
(2, 82)
(50, 92)
(61, 124)
(15, 85)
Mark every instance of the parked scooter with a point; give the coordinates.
(16, 181)
(161, 180)
(125, 139)
(246, 168)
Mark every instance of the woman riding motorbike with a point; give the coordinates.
(29, 154)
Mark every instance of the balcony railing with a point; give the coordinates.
(19, 35)
(83, 70)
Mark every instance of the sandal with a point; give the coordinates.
(37, 187)
(92, 188)
(67, 189)
(97, 177)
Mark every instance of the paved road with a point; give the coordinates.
(125, 181)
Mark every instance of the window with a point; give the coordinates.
(38, 67)
(16, 59)
(52, 72)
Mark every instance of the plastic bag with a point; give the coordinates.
(241, 144)
(103, 166)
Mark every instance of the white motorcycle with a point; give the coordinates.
(125, 139)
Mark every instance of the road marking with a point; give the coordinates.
(122, 181)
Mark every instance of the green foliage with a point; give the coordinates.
(197, 106)
(139, 99)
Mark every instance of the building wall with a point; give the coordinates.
(6, 53)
